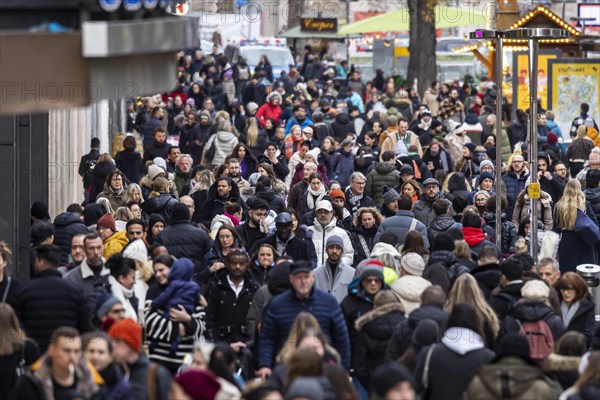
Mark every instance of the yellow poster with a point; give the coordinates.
(522, 72)
(573, 82)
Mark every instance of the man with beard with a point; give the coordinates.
(91, 273)
(549, 182)
(229, 294)
(299, 118)
(160, 147)
(219, 193)
(255, 228)
(285, 242)
(147, 130)
(335, 275)
(174, 153)
(423, 208)
(183, 174)
(515, 181)
(235, 173)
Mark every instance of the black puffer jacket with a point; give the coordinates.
(531, 311)
(47, 302)
(403, 331)
(162, 204)
(510, 235)
(375, 329)
(440, 223)
(67, 225)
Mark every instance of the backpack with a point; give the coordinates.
(539, 336)
(243, 73)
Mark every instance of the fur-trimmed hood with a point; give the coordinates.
(378, 313)
(88, 379)
(557, 362)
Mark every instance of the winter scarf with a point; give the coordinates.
(319, 194)
(569, 312)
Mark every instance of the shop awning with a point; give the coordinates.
(399, 20)
(295, 33)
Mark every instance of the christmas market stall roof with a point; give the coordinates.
(540, 17)
(399, 20)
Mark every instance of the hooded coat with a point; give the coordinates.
(130, 163)
(67, 225)
(224, 142)
(511, 378)
(563, 369)
(454, 363)
(384, 174)
(544, 209)
(342, 126)
(375, 330)
(320, 236)
(532, 311)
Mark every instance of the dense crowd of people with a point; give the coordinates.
(314, 237)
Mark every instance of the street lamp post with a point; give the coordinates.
(533, 35)
(496, 35)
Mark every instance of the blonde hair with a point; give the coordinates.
(572, 200)
(207, 178)
(252, 132)
(123, 214)
(131, 189)
(466, 290)
(462, 249)
(159, 185)
(365, 210)
(105, 157)
(302, 323)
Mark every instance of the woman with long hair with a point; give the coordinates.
(365, 223)
(576, 304)
(17, 351)
(245, 156)
(254, 137)
(226, 239)
(574, 249)
(414, 243)
(160, 201)
(199, 192)
(466, 290)
(314, 193)
(8, 284)
(265, 66)
(413, 189)
(134, 193)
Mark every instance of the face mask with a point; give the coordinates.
(434, 153)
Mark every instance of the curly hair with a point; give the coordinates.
(364, 210)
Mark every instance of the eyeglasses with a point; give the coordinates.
(372, 281)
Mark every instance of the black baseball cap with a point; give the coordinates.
(300, 266)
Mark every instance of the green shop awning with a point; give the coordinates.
(399, 20)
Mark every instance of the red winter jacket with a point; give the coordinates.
(267, 111)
